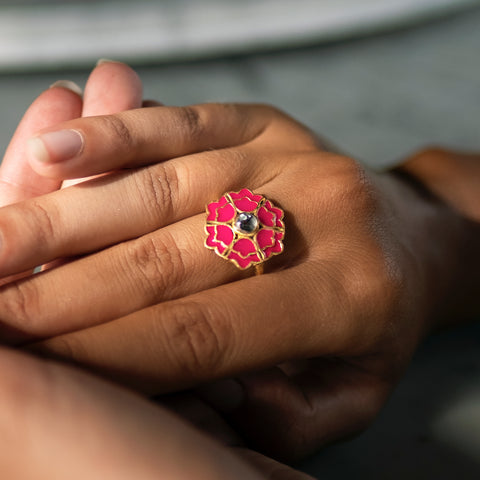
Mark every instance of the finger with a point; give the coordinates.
(17, 179)
(112, 87)
(216, 333)
(452, 176)
(289, 415)
(139, 137)
(69, 222)
(55, 420)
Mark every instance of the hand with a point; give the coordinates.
(57, 422)
(356, 289)
(112, 87)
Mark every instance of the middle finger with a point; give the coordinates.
(107, 210)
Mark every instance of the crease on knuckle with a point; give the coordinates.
(198, 344)
(158, 189)
(120, 129)
(157, 264)
(44, 221)
(193, 123)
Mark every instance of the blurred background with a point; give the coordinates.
(379, 78)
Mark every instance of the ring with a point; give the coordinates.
(245, 229)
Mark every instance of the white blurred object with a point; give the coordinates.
(458, 426)
(51, 34)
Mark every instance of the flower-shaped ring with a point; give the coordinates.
(244, 228)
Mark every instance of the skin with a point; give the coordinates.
(87, 428)
(46, 404)
(373, 262)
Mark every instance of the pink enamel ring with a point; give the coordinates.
(245, 229)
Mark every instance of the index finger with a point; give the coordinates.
(140, 137)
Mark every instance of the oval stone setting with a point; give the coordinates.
(246, 223)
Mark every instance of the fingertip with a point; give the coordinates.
(58, 102)
(111, 88)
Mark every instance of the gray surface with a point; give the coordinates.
(76, 33)
(430, 428)
(379, 98)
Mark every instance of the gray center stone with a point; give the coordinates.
(246, 223)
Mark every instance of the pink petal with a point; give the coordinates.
(221, 211)
(225, 235)
(245, 200)
(265, 238)
(266, 217)
(212, 211)
(278, 215)
(277, 247)
(211, 240)
(245, 205)
(219, 237)
(245, 193)
(225, 213)
(244, 247)
(244, 262)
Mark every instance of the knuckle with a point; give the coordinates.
(369, 274)
(198, 343)
(373, 285)
(193, 122)
(346, 186)
(42, 220)
(158, 189)
(155, 263)
(354, 185)
(117, 125)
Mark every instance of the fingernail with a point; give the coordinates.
(225, 396)
(68, 85)
(55, 146)
(101, 61)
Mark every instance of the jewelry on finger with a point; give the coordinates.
(245, 229)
